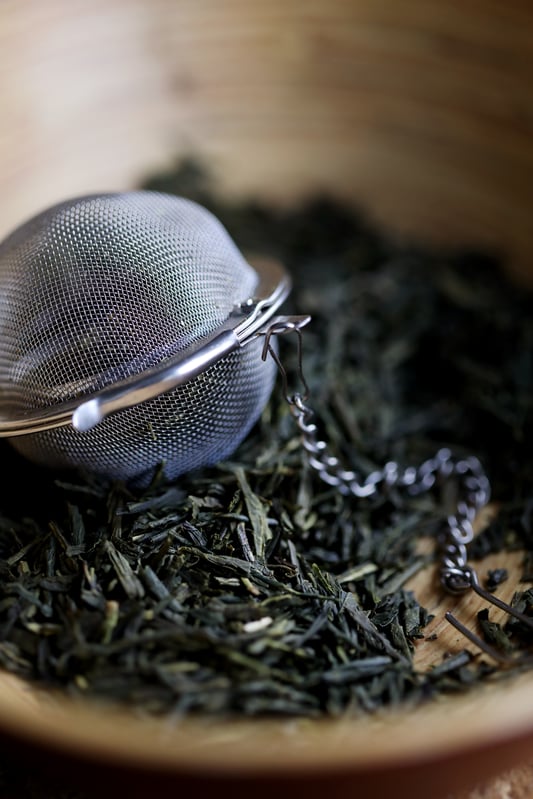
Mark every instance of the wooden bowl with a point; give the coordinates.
(419, 112)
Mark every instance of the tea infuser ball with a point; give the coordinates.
(130, 336)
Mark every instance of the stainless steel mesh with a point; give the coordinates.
(100, 288)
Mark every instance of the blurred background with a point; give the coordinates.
(422, 112)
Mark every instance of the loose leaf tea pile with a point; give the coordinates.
(252, 587)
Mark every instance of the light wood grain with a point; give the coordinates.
(421, 113)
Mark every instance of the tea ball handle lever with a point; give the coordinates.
(182, 370)
(93, 411)
(248, 319)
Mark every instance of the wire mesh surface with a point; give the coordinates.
(100, 288)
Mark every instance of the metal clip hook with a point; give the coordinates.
(501, 657)
(457, 576)
(279, 326)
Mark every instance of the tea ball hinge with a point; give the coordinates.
(248, 319)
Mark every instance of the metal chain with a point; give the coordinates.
(456, 574)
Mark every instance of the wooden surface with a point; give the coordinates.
(436, 751)
(422, 113)
(465, 607)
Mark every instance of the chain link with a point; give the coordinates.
(456, 574)
(474, 488)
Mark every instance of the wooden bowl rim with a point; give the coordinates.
(446, 727)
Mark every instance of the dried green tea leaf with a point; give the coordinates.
(252, 588)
